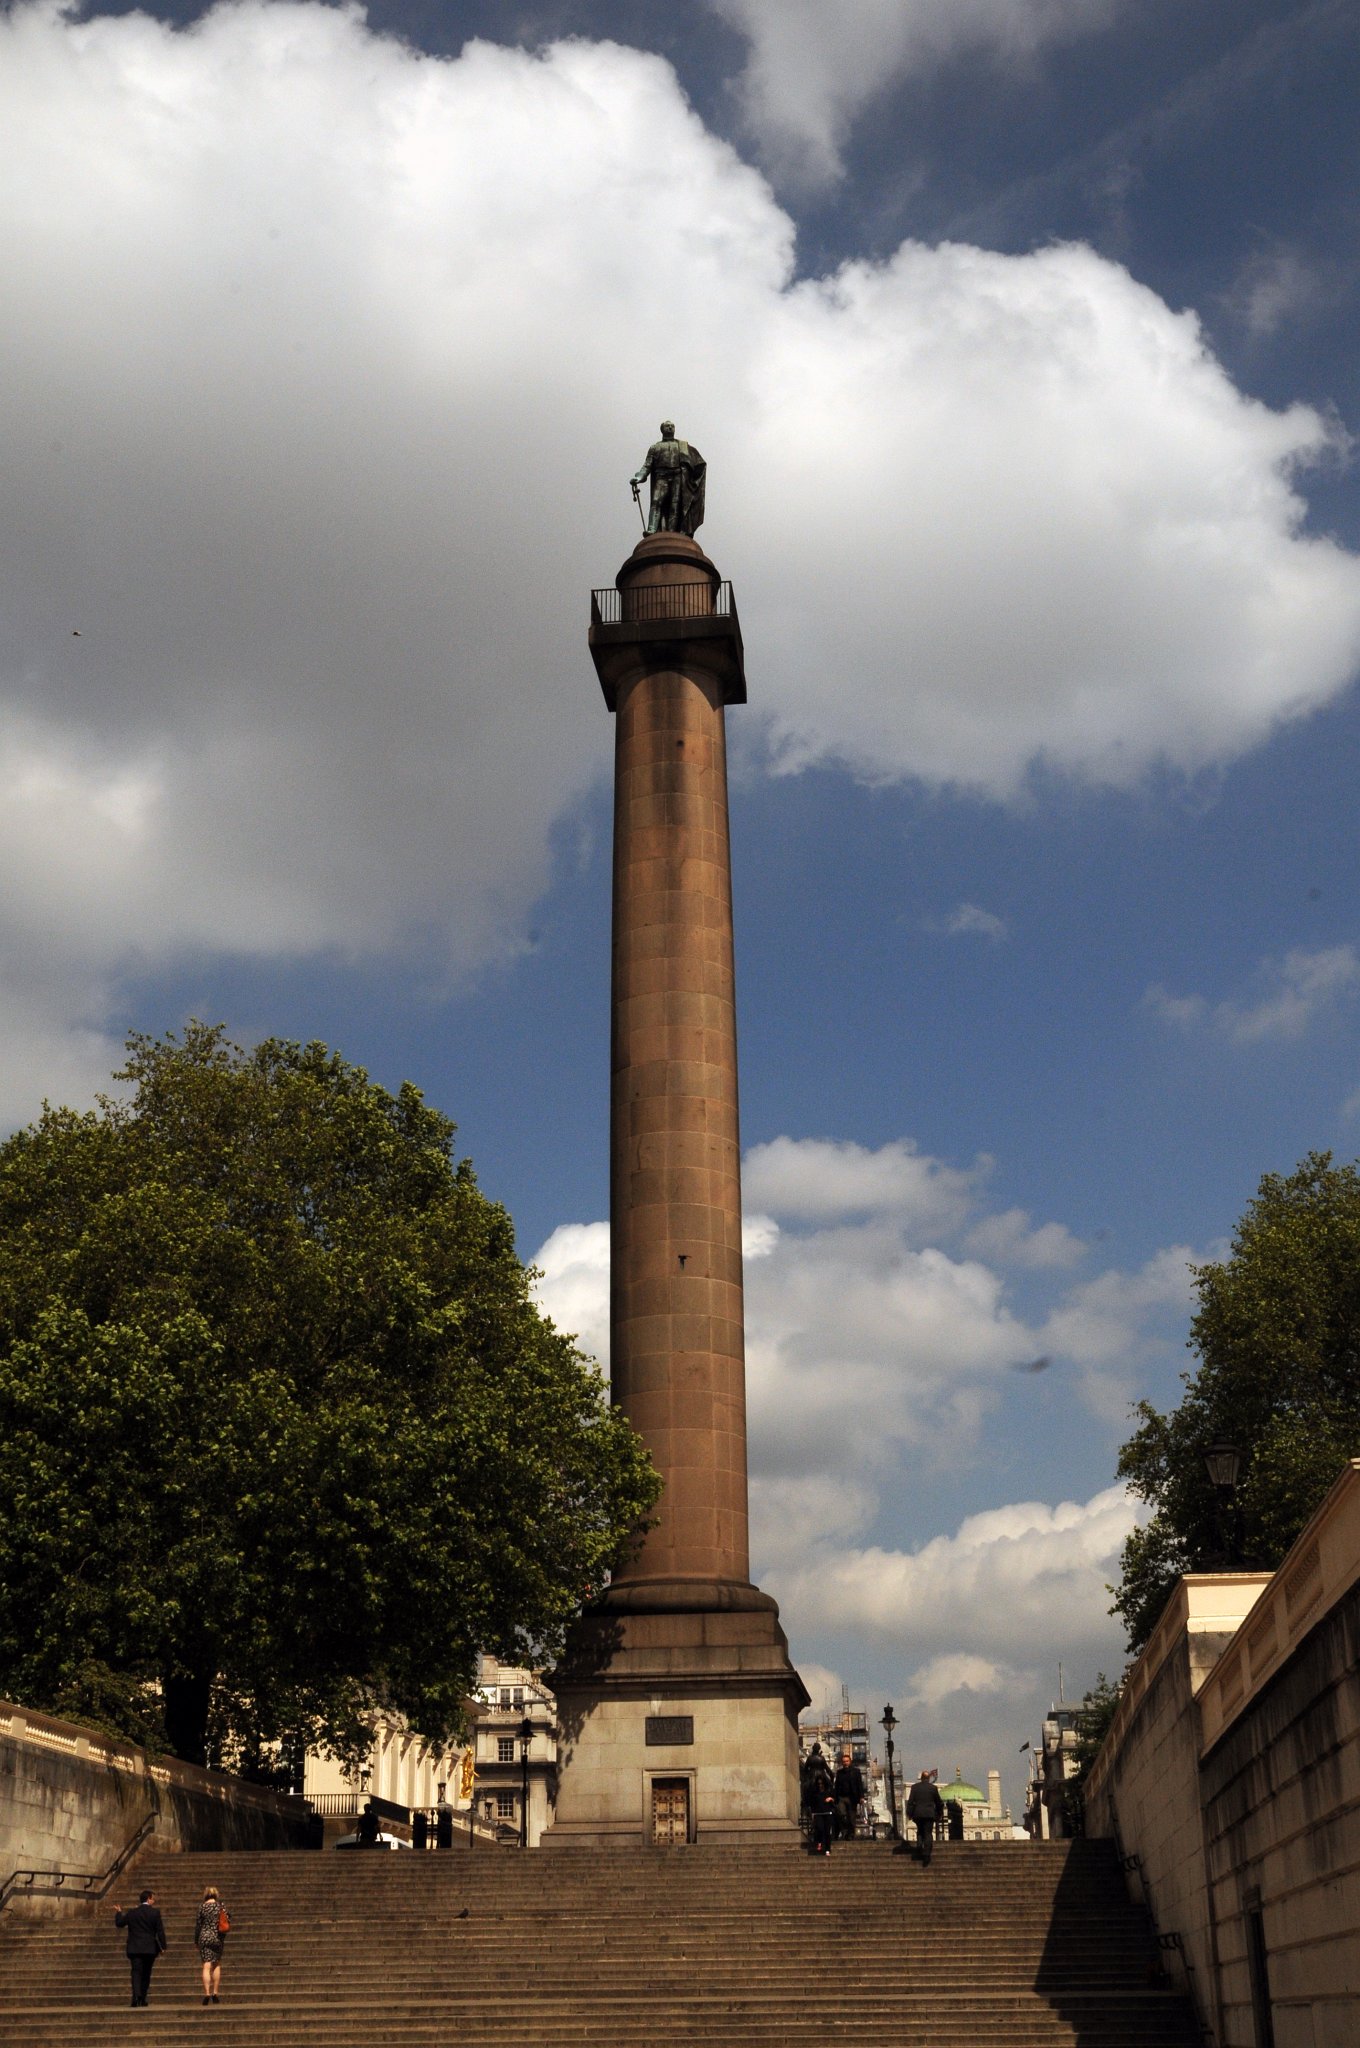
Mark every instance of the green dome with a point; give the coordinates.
(958, 1788)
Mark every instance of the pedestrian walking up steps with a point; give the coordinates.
(996, 1945)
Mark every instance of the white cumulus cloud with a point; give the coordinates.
(975, 1623)
(970, 920)
(814, 64)
(1011, 1239)
(1293, 993)
(945, 1677)
(817, 1179)
(994, 1588)
(824, 1692)
(573, 1284)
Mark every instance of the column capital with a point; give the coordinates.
(668, 610)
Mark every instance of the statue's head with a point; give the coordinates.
(668, 430)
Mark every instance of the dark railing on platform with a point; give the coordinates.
(648, 601)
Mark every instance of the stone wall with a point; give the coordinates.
(71, 1800)
(1232, 1771)
(1281, 1793)
(1144, 1787)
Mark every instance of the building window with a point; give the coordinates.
(505, 1805)
(505, 1749)
(519, 1696)
(505, 1695)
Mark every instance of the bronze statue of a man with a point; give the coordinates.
(677, 472)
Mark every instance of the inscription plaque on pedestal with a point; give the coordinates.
(670, 1731)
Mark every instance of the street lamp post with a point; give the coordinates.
(888, 1724)
(443, 1818)
(1223, 1464)
(526, 1736)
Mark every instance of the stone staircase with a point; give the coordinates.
(997, 1945)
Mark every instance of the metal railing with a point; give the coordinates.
(1167, 1939)
(649, 601)
(74, 1884)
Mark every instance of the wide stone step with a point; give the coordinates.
(909, 1949)
(168, 2024)
(1136, 2011)
(288, 2028)
(254, 1978)
(568, 1920)
(413, 1872)
(937, 1905)
(243, 1984)
(570, 1915)
(373, 2030)
(673, 1956)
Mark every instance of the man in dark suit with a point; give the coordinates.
(849, 1790)
(145, 1941)
(926, 1808)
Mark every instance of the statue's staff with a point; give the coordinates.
(637, 500)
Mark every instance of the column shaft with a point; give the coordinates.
(676, 1301)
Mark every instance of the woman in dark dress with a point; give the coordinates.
(210, 1941)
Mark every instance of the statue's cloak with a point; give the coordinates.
(693, 475)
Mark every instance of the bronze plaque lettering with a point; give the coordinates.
(669, 1731)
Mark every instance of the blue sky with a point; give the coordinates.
(1019, 337)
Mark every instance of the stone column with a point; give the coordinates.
(676, 1295)
(677, 1683)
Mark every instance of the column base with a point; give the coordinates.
(677, 1723)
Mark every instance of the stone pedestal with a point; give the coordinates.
(682, 1636)
(705, 1702)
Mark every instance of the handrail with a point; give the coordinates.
(1169, 1942)
(647, 602)
(93, 1884)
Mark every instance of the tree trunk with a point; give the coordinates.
(186, 1715)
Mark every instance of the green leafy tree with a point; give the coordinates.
(1278, 1337)
(284, 1439)
(1094, 1716)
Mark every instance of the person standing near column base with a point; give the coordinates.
(849, 1790)
(925, 1808)
(145, 1941)
(821, 1802)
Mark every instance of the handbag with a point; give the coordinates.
(223, 1921)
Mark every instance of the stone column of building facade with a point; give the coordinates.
(677, 1702)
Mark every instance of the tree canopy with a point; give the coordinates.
(284, 1439)
(1278, 1336)
(1098, 1708)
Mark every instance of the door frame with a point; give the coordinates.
(651, 1779)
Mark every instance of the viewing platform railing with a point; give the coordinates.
(650, 601)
